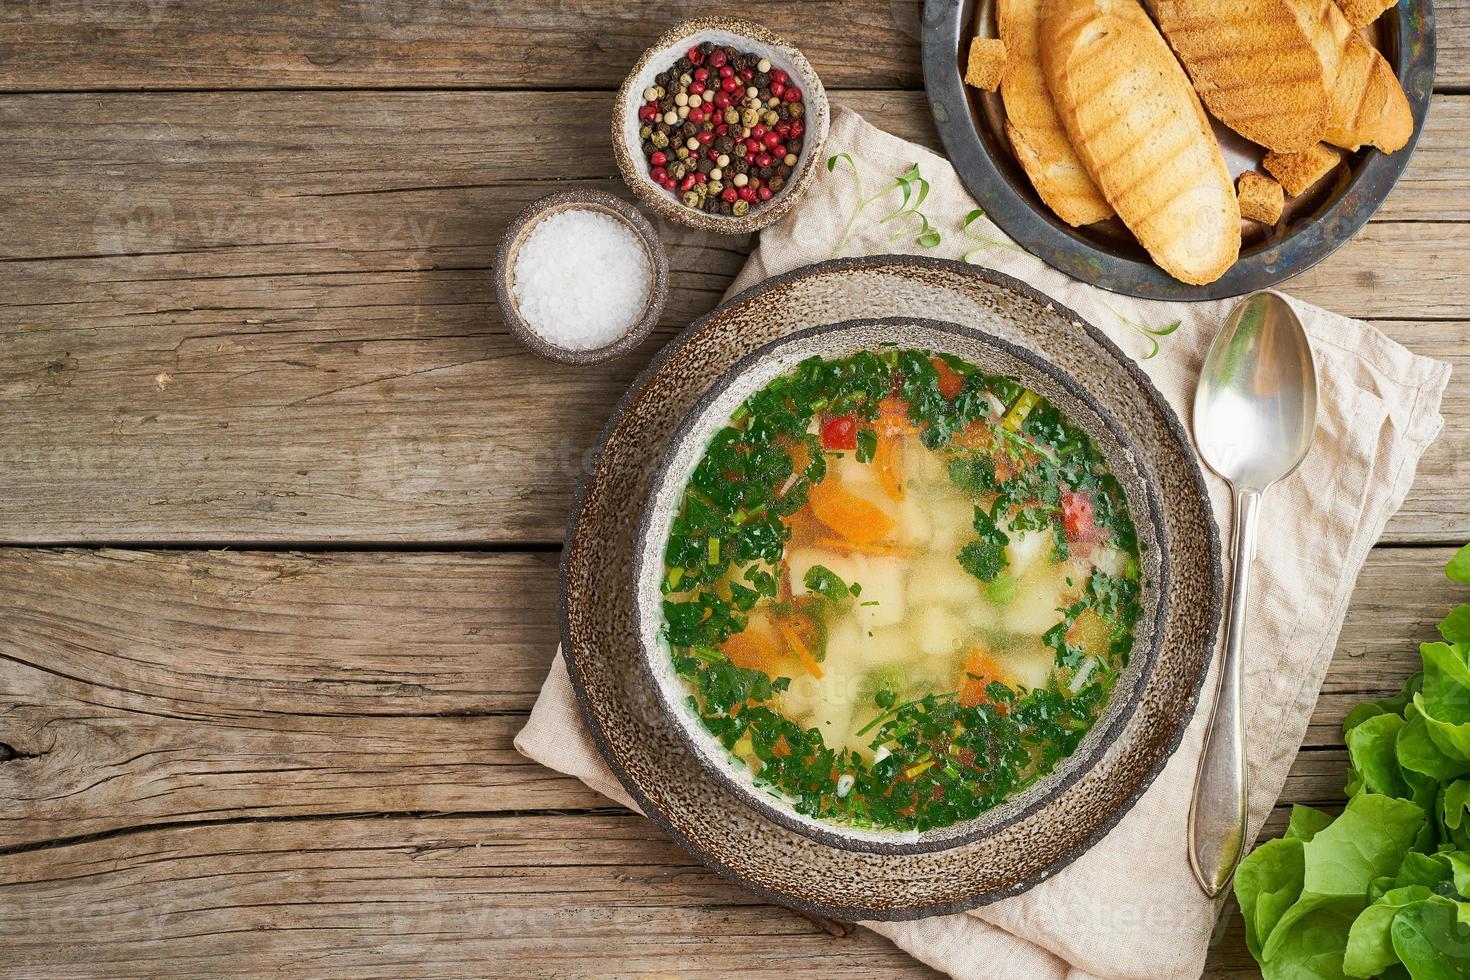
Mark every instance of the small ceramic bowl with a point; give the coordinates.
(666, 50)
(586, 200)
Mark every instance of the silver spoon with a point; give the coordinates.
(1255, 411)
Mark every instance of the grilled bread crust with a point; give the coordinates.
(1253, 65)
(1032, 125)
(1368, 103)
(1140, 130)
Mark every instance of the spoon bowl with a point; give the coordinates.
(1256, 405)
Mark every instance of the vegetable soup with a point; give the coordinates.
(899, 589)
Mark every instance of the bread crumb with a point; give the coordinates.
(1261, 198)
(1298, 171)
(987, 63)
(1361, 13)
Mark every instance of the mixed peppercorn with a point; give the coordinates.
(722, 129)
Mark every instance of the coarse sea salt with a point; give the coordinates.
(581, 279)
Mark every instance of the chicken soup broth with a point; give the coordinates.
(899, 589)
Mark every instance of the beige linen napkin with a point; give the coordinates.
(1129, 907)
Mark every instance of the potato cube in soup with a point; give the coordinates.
(937, 631)
(941, 579)
(1027, 665)
(882, 601)
(1036, 607)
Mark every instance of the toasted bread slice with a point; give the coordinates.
(1361, 13)
(1299, 171)
(1140, 130)
(1260, 197)
(1253, 65)
(1368, 103)
(986, 64)
(1035, 132)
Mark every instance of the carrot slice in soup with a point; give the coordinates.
(849, 515)
(798, 647)
(888, 460)
(981, 671)
(753, 649)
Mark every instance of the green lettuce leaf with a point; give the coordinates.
(1386, 706)
(1459, 566)
(1456, 626)
(1306, 821)
(1432, 938)
(1267, 883)
(1372, 751)
(1421, 753)
(1313, 949)
(1370, 943)
(1341, 861)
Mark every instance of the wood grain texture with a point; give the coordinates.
(305, 758)
(518, 44)
(144, 688)
(271, 320)
(508, 44)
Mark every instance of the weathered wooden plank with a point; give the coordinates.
(156, 44)
(512, 44)
(530, 896)
(272, 321)
(156, 687)
(202, 159)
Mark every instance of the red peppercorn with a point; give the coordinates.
(659, 158)
(764, 193)
(706, 137)
(717, 57)
(793, 95)
(700, 178)
(727, 72)
(712, 153)
(779, 77)
(757, 131)
(797, 129)
(696, 56)
(722, 129)
(728, 195)
(771, 138)
(696, 88)
(696, 115)
(729, 85)
(750, 159)
(659, 174)
(722, 99)
(746, 74)
(779, 150)
(687, 183)
(777, 89)
(700, 74)
(784, 129)
(647, 113)
(763, 160)
(746, 194)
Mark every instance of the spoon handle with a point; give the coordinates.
(1217, 814)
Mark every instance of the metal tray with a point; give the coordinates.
(970, 124)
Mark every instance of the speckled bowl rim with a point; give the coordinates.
(1033, 226)
(630, 164)
(1116, 713)
(645, 806)
(605, 203)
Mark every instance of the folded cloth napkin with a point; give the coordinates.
(1129, 907)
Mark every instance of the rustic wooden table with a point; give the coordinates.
(281, 500)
